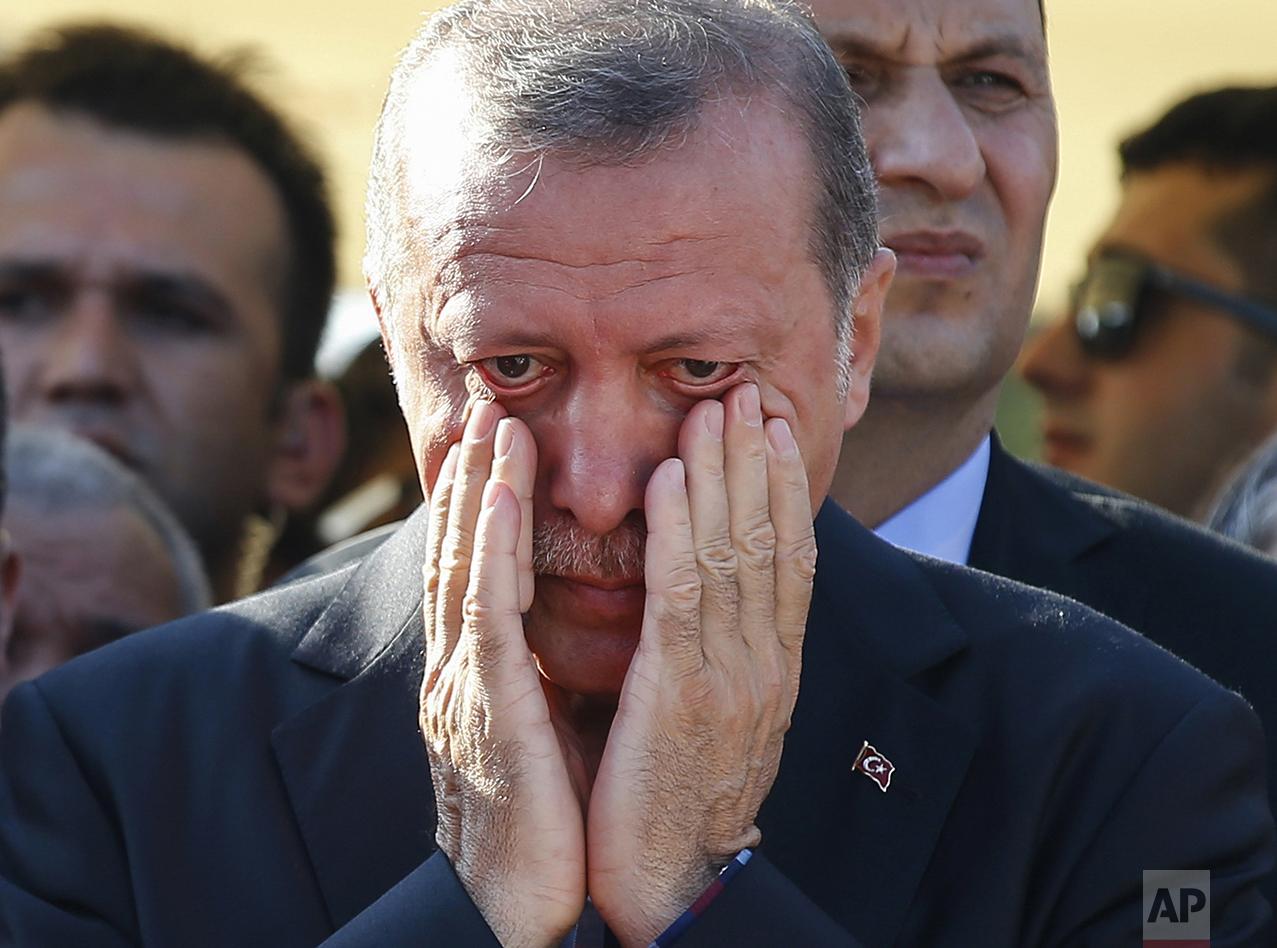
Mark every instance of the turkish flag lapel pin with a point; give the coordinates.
(874, 766)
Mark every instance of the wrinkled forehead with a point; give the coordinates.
(932, 31)
(455, 185)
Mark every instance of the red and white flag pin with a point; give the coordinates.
(874, 766)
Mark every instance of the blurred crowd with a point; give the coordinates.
(167, 267)
(166, 261)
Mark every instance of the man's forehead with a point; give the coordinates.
(458, 195)
(924, 32)
(1172, 214)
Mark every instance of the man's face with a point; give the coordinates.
(140, 283)
(89, 576)
(599, 308)
(960, 126)
(1169, 419)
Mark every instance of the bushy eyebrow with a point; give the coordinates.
(185, 286)
(521, 338)
(1000, 44)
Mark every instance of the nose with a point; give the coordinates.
(90, 357)
(920, 136)
(598, 449)
(1055, 364)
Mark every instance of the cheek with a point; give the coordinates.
(1021, 166)
(434, 409)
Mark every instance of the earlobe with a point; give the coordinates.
(310, 439)
(867, 307)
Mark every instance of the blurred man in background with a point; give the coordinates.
(960, 126)
(1164, 377)
(101, 554)
(166, 264)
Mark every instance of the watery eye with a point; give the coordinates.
(513, 371)
(513, 367)
(700, 372)
(699, 369)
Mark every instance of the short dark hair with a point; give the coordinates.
(1230, 130)
(129, 79)
(1224, 129)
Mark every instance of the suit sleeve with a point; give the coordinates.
(761, 908)
(1198, 802)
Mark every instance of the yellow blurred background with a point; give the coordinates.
(1116, 64)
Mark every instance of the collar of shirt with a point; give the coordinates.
(941, 522)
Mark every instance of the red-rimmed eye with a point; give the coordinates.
(513, 371)
(700, 372)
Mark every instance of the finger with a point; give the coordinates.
(701, 449)
(795, 536)
(671, 612)
(474, 465)
(753, 535)
(515, 465)
(492, 622)
(438, 647)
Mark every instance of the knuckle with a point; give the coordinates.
(716, 561)
(755, 532)
(799, 559)
(454, 556)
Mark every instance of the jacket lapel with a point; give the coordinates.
(875, 625)
(359, 781)
(353, 762)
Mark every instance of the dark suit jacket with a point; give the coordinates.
(1210, 601)
(254, 776)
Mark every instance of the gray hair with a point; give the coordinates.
(614, 81)
(1246, 509)
(52, 470)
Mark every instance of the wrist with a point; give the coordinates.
(638, 910)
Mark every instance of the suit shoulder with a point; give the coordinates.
(1155, 526)
(1045, 642)
(211, 656)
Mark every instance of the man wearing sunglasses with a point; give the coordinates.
(1162, 379)
(961, 131)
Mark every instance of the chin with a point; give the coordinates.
(582, 661)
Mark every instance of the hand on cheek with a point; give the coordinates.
(509, 817)
(708, 697)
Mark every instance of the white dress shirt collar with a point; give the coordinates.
(942, 521)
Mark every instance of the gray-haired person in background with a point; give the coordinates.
(1246, 510)
(101, 553)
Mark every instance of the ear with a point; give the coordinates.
(309, 440)
(866, 313)
(383, 317)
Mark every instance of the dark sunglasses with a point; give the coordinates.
(1113, 300)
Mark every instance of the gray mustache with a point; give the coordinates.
(560, 547)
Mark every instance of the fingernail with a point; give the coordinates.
(482, 418)
(781, 438)
(676, 475)
(504, 439)
(714, 420)
(490, 494)
(751, 410)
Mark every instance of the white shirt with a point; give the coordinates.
(941, 522)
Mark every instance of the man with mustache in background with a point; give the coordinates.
(960, 127)
(599, 691)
